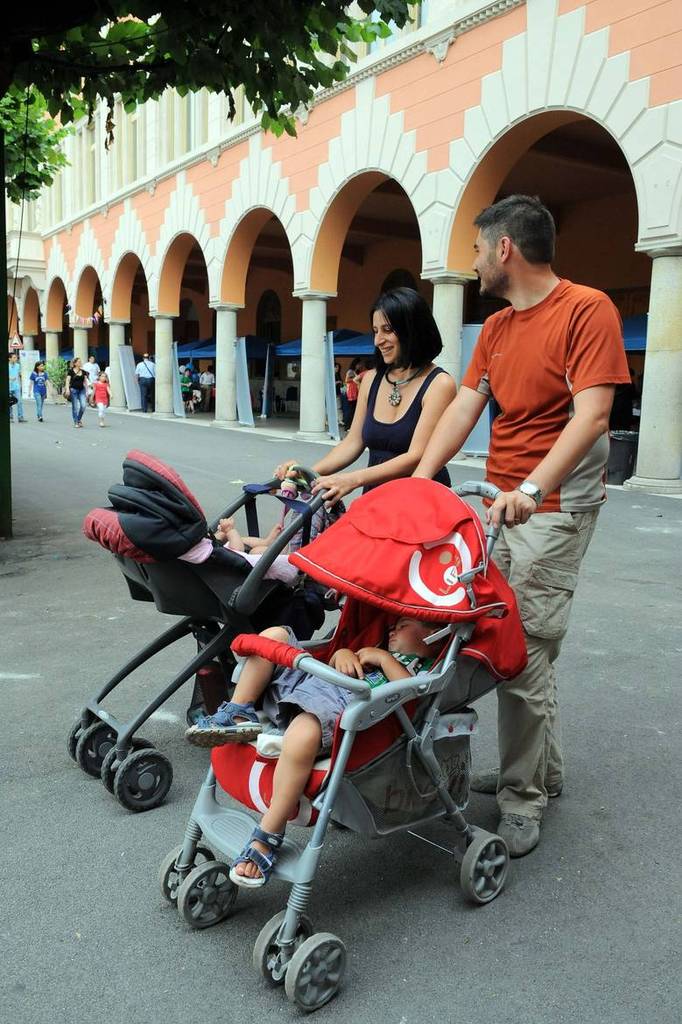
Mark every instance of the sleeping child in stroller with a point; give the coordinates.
(308, 709)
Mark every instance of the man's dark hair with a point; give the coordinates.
(412, 320)
(526, 221)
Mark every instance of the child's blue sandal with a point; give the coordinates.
(264, 862)
(221, 727)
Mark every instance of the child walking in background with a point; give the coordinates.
(37, 387)
(102, 396)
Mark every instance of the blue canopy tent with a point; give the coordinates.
(256, 348)
(346, 343)
(634, 333)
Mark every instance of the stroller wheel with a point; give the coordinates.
(74, 736)
(143, 780)
(484, 868)
(110, 764)
(94, 743)
(207, 895)
(170, 878)
(266, 950)
(315, 971)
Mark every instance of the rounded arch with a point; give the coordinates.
(125, 272)
(31, 316)
(333, 228)
(238, 253)
(54, 306)
(172, 270)
(86, 289)
(484, 180)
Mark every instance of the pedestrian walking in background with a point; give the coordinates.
(207, 383)
(76, 391)
(102, 397)
(15, 388)
(38, 388)
(145, 371)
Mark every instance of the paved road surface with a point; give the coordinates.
(588, 929)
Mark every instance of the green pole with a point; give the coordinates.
(5, 456)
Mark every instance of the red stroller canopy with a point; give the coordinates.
(402, 547)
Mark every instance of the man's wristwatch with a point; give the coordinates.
(532, 490)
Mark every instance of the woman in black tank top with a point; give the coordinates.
(400, 402)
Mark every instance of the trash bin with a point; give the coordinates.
(622, 455)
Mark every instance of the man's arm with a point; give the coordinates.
(591, 419)
(452, 430)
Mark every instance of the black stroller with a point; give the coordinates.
(154, 519)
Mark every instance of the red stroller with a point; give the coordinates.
(400, 754)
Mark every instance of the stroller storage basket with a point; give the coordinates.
(395, 790)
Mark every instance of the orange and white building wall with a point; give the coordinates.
(189, 216)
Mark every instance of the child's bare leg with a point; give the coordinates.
(257, 672)
(260, 544)
(300, 748)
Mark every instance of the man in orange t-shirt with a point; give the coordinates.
(549, 362)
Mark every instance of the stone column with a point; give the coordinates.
(448, 312)
(51, 345)
(28, 341)
(117, 338)
(163, 339)
(225, 365)
(313, 417)
(659, 458)
(80, 344)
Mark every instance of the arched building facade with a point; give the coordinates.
(579, 101)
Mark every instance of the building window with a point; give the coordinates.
(135, 142)
(417, 18)
(57, 192)
(185, 105)
(169, 119)
(89, 137)
(201, 103)
(239, 105)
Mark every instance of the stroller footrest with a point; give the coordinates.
(228, 830)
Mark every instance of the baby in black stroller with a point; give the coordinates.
(159, 536)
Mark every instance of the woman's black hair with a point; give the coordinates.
(41, 362)
(410, 317)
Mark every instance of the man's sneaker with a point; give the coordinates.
(486, 782)
(521, 834)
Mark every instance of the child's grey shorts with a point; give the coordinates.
(292, 690)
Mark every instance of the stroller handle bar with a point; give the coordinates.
(479, 488)
(247, 597)
(482, 489)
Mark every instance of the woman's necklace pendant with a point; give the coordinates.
(395, 398)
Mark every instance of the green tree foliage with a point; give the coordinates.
(281, 51)
(33, 155)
